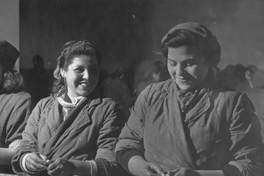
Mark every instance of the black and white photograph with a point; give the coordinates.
(131, 87)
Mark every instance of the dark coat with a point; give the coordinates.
(15, 109)
(89, 132)
(220, 130)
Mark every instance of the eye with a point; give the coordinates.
(172, 63)
(190, 63)
(78, 70)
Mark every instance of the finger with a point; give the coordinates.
(36, 159)
(54, 166)
(45, 158)
(34, 167)
(150, 173)
(173, 172)
(33, 164)
(155, 168)
(55, 171)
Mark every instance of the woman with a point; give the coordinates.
(74, 131)
(191, 125)
(14, 107)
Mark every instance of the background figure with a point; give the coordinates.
(191, 124)
(157, 73)
(38, 80)
(74, 130)
(115, 87)
(251, 85)
(15, 105)
(257, 79)
(232, 75)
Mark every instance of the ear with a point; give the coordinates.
(62, 73)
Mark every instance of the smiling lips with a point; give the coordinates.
(86, 83)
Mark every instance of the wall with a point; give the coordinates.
(117, 28)
(130, 31)
(9, 22)
(237, 24)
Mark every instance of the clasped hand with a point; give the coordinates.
(182, 172)
(59, 167)
(152, 169)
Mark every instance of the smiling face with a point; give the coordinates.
(81, 76)
(186, 67)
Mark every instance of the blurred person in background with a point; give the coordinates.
(253, 86)
(157, 73)
(15, 105)
(115, 87)
(37, 80)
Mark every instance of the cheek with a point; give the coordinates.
(171, 70)
(201, 72)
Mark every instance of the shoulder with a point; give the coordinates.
(105, 109)
(46, 102)
(230, 97)
(18, 95)
(15, 98)
(103, 103)
(226, 92)
(159, 89)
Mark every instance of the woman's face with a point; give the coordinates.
(186, 67)
(81, 76)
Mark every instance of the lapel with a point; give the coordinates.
(176, 127)
(66, 127)
(200, 108)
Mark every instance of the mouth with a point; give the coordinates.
(87, 84)
(183, 80)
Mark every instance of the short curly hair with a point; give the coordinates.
(193, 35)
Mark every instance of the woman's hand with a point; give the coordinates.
(183, 172)
(140, 167)
(60, 167)
(36, 162)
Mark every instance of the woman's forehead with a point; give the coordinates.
(182, 53)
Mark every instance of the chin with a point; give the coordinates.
(185, 87)
(84, 93)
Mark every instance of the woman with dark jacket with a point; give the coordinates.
(191, 125)
(15, 105)
(74, 131)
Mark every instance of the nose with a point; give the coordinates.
(180, 70)
(86, 74)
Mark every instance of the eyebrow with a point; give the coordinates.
(189, 59)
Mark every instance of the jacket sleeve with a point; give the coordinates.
(18, 118)
(113, 122)
(29, 141)
(245, 131)
(131, 138)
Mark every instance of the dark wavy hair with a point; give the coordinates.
(69, 51)
(12, 82)
(209, 48)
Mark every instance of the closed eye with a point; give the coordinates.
(172, 63)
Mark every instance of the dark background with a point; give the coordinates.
(129, 31)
